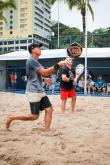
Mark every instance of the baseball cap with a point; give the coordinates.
(33, 45)
(68, 59)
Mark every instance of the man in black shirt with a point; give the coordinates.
(68, 78)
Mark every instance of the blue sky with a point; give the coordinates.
(73, 18)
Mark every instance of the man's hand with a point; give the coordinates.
(62, 63)
(47, 81)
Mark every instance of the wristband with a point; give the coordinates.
(56, 66)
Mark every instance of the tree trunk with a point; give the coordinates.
(84, 23)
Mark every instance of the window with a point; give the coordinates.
(11, 16)
(11, 32)
(23, 9)
(11, 27)
(17, 42)
(11, 11)
(10, 42)
(5, 49)
(11, 49)
(23, 41)
(11, 22)
(23, 47)
(5, 42)
(22, 26)
(29, 35)
(29, 41)
(17, 48)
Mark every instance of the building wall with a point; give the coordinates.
(30, 21)
(19, 21)
(2, 75)
(95, 65)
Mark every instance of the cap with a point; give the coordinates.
(33, 45)
(68, 59)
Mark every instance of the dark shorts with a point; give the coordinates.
(36, 107)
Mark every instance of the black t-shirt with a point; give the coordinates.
(69, 73)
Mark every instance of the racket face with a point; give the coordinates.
(74, 50)
(79, 69)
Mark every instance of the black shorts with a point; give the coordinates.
(36, 107)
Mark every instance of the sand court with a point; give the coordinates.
(79, 138)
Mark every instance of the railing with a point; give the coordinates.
(93, 74)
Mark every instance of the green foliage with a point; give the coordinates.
(51, 2)
(101, 37)
(4, 5)
(64, 30)
(80, 5)
(97, 38)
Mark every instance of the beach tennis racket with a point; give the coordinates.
(79, 70)
(74, 50)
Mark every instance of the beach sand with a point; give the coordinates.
(79, 138)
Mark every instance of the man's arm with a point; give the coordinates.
(46, 72)
(65, 78)
(47, 81)
(76, 77)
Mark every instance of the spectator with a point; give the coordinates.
(90, 85)
(81, 84)
(100, 85)
(108, 88)
(13, 79)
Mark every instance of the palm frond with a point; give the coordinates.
(2, 17)
(7, 4)
(51, 2)
(90, 9)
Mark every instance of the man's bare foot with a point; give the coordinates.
(8, 122)
(46, 129)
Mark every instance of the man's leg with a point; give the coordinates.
(29, 117)
(103, 90)
(72, 95)
(73, 102)
(63, 96)
(63, 106)
(35, 107)
(48, 118)
(46, 105)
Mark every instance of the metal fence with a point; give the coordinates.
(94, 41)
(17, 82)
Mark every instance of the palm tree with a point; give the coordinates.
(51, 2)
(80, 5)
(5, 5)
